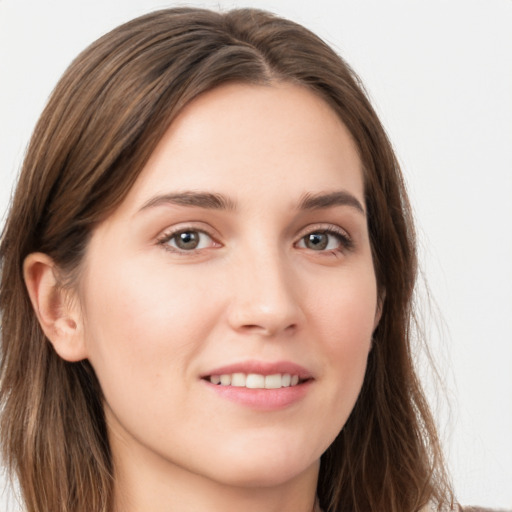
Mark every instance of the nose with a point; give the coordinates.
(264, 297)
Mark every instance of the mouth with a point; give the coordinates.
(259, 385)
(256, 380)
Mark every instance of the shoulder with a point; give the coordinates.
(481, 509)
(429, 508)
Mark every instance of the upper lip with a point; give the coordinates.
(262, 368)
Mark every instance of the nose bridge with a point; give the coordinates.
(263, 297)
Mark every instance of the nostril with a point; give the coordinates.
(268, 329)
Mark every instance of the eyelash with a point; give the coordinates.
(169, 235)
(345, 242)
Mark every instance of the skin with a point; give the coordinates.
(152, 319)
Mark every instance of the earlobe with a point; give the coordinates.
(57, 311)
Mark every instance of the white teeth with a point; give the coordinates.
(255, 380)
(225, 380)
(238, 380)
(273, 381)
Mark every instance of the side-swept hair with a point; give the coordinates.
(101, 124)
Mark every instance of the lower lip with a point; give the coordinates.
(262, 399)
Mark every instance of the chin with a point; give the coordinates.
(264, 467)
(269, 475)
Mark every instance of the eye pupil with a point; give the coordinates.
(187, 240)
(316, 241)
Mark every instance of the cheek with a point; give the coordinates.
(345, 310)
(142, 324)
(344, 316)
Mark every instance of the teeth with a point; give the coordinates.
(255, 380)
(238, 380)
(225, 380)
(273, 381)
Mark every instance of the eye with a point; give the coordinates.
(186, 240)
(325, 240)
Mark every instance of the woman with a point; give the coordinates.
(207, 273)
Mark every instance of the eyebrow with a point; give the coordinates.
(330, 199)
(194, 199)
(212, 201)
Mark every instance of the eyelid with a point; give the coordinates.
(171, 232)
(345, 239)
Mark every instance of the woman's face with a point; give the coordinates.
(241, 255)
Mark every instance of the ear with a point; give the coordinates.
(57, 310)
(380, 306)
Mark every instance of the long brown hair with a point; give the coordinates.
(102, 122)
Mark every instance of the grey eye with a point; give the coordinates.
(322, 241)
(190, 240)
(316, 241)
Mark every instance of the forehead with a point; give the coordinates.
(243, 139)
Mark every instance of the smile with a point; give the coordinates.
(260, 385)
(255, 380)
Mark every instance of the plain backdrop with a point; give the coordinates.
(439, 73)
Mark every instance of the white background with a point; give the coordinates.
(440, 75)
